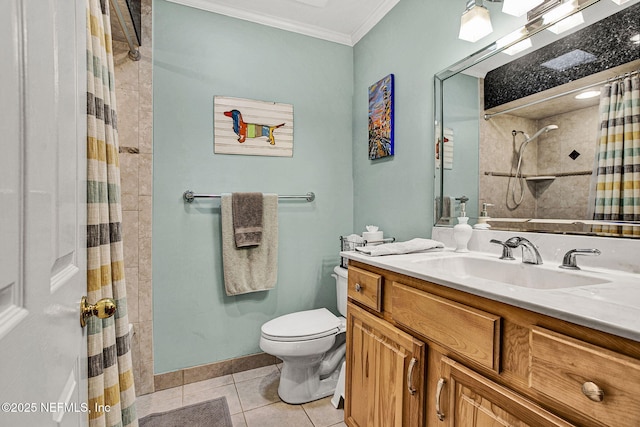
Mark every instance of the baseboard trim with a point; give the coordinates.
(212, 370)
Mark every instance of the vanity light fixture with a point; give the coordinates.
(518, 47)
(588, 94)
(560, 11)
(520, 7)
(510, 38)
(475, 22)
(567, 23)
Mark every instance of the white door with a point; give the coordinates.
(42, 212)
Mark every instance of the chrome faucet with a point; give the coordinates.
(530, 254)
(569, 260)
(506, 250)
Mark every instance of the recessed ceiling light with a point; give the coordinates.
(588, 94)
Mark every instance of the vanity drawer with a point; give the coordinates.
(561, 365)
(365, 287)
(472, 333)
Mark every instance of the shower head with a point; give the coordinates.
(520, 153)
(541, 131)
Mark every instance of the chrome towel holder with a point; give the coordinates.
(189, 196)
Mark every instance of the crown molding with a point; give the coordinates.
(375, 17)
(295, 27)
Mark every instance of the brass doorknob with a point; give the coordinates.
(104, 309)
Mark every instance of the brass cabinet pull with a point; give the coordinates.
(592, 391)
(439, 412)
(104, 309)
(358, 287)
(412, 365)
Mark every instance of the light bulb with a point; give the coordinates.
(475, 24)
(559, 11)
(519, 7)
(518, 47)
(567, 23)
(510, 38)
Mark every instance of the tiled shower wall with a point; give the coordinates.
(568, 195)
(135, 120)
(562, 198)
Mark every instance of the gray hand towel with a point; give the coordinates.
(247, 218)
(254, 268)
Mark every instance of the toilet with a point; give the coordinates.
(311, 345)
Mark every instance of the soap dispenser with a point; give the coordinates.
(462, 231)
(482, 223)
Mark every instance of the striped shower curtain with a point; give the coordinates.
(618, 169)
(110, 369)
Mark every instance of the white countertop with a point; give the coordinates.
(612, 307)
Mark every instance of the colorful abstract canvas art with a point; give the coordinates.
(250, 127)
(381, 138)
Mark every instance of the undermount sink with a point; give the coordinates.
(513, 273)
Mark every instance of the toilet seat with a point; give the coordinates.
(311, 345)
(302, 326)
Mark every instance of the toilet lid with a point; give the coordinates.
(303, 325)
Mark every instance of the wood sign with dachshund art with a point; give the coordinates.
(250, 127)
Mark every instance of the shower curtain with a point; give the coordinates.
(110, 369)
(617, 195)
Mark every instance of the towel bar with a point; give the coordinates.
(189, 195)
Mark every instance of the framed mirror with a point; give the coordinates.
(518, 134)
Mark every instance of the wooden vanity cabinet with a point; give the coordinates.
(464, 398)
(385, 373)
(478, 362)
(366, 288)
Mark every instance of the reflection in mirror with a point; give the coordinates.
(511, 133)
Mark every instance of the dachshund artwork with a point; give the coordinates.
(251, 130)
(250, 127)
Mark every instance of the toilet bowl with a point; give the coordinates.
(311, 345)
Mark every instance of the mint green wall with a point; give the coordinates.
(414, 41)
(198, 55)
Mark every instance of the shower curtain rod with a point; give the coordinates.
(134, 53)
(189, 195)
(569, 92)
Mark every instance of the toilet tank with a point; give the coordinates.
(341, 288)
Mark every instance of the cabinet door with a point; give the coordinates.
(385, 373)
(465, 398)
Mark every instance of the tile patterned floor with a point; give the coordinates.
(253, 401)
